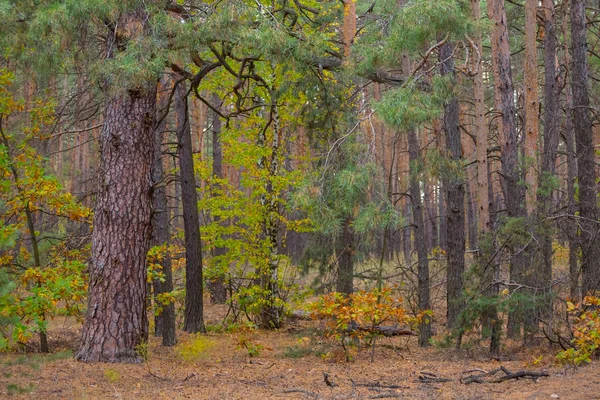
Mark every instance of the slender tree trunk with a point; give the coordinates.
(419, 234)
(588, 213)
(482, 132)
(569, 134)
(216, 286)
(532, 101)
(194, 304)
(548, 170)
(164, 322)
(455, 199)
(271, 312)
(513, 192)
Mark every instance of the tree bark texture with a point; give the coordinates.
(193, 320)
(455, 198)
(116, 321)
(588, 213)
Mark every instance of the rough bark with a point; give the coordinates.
(455, 198)
(164, 322)
(588, 213)
(194, 305)
(116, 321)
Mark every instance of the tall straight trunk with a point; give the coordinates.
(193, 320)
(271, 316)
(569, 134)
(164, 322)
(116, 322)
(455, 198)
(482, 132)
(414, 158)
(419, 235)
(548, 169)
(216, 286)
(504, 96)
(532, 101)
(588, 213)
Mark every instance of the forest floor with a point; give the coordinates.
(286, 364)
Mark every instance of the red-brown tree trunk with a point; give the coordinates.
(588, 211)
(194, 303)
(116, 322)
(455, 198)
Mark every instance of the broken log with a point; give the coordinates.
(488, 377)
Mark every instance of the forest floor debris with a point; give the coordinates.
(293, 364)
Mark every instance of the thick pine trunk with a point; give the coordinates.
(194, 305)
(116, 321)
(455, 199)
(588, 213)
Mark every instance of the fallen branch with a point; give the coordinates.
(487, 377)
(378, 385)
(429, 377)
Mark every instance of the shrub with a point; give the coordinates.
(359, 315)
(585, 332)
